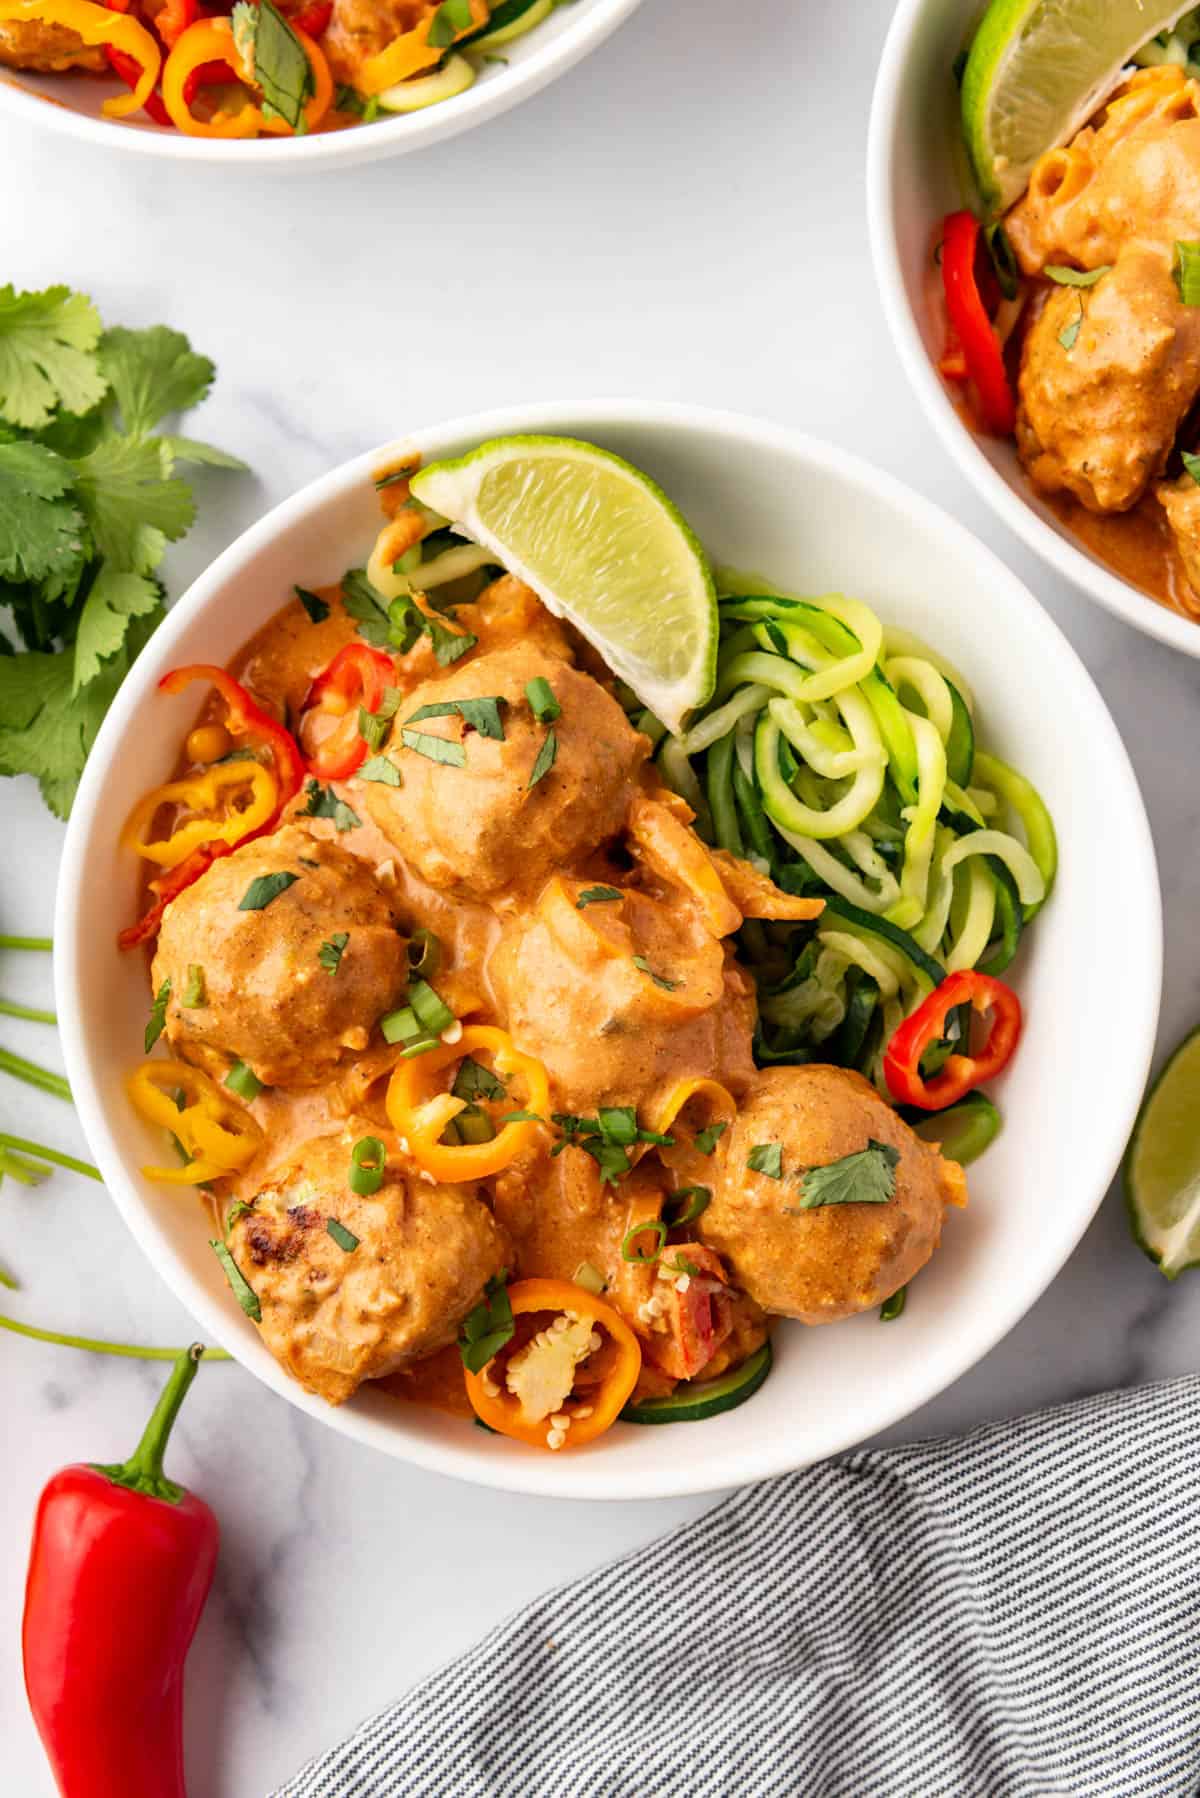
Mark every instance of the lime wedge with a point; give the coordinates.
(601, 546)
(1162, 1164)
(1037, 71)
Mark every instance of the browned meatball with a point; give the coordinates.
(622, 998)
(832, 1261)
(482, 830)
(264, 995)
(47, 49)
(336, 1312)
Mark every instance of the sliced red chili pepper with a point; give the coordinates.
(173, 19)
(961, 1073)
(358, 676)
(973, 328)
(244, 718)
(699, 1317)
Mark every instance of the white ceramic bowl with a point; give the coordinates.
(915, 175)
(532, 61)
(815, 519)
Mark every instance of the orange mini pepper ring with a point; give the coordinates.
(502, 1411)
(419, 1114)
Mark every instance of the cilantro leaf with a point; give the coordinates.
(131, 503)
(596, 896)
(158, 1014)
(489, 1326)
(274, 56)
(41, 529)
(379, 768)
(115, 596)
(766, 1158)
(323, 802)
(330, 954)
(474, 1081)
(190, 449)
(867, 1177)
(152, 373)
(367, 607)
(707, 1139)
(47, 342)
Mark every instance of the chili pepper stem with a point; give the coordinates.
(11, 1009)
(129, 1350)
(41, 943)
(41, 1153)
(21, 1069)
(143, 1472)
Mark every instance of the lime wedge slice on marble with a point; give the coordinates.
(602, 546)
(1162, 1164)
(1037, 71)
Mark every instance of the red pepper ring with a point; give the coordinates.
(244, 718)
(358, 676)
(969, 320)
(961, 1073)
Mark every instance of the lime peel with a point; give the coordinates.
(602, 546)
(1036, 72)
(1162, 1164)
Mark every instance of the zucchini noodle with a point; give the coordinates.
(839, 755)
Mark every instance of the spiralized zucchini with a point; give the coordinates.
(839, 755)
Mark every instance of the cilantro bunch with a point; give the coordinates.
(89, 499)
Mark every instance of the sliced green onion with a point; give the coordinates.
(10, 1009)
(893, 1307)
(424, 952)
(243, 1081)
(659, 1230)
(590, 1278)
(195, 993)
(346, 1240)
(542, 702)
(430, 1010)
(474, 1125)
(402, 1027)
(1187, 271)
(158, 1015)
(368, 1161)
(1076, 277)
(20, 1069)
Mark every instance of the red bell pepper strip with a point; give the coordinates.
(969, 320)
(698, 1319)
(357, 676)
(961, 1073)
(315, 17)
(173, 19)
(244, 718)
(121, 1565)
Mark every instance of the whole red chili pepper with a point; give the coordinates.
(357, 676)
(121, 1564)
(961, 1073)
(980, 347)
(244, 718)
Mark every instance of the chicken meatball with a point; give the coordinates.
(390, 1285)
(251, 985)
(623, 996)
(47, 49)
(836, 1259)
(486, 829)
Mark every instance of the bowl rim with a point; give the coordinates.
(395, 136)
(591, 1478)
(885, 130)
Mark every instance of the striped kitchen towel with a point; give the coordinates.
(1014, 1613)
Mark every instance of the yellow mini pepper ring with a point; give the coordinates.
(97, 25)
(202, 794)
(420, 1115)
(211, 40)
(217, 1134)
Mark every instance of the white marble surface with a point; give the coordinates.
(682, 216)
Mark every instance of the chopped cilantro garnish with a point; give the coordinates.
(488, 1327)
(158, 1014)
(330, 954)
(451, 17)
(1070, 331)
(1192, 465)
(313, 604)
(243, 1292)
(867, 1177)
(474, 1081)
(323, 802)
(373, 726)
(766, 1158)
(435, 749)
(596, 896)
(263, 889)
(545, 758)
(378, 768)
(707, 1139)
(482, 715)
(643, 966)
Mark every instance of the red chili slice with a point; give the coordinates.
(969, 320)
(357, 678)
(961, 1073)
